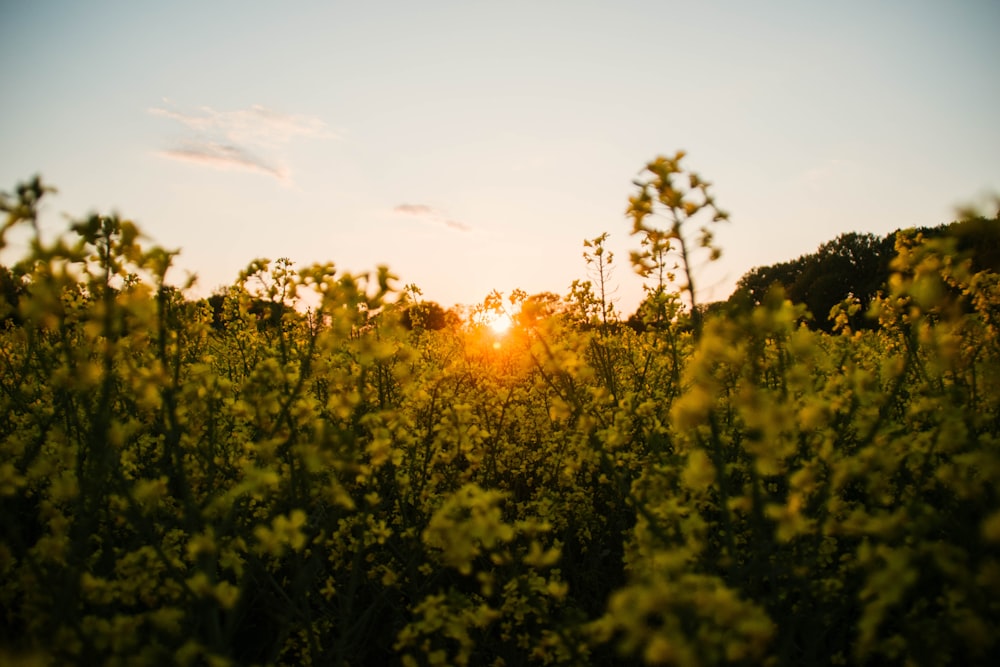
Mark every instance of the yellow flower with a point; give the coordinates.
(699, 473)
(283, 531)
(227, 594)
(991, 527)
(10, 479)
(201, 543)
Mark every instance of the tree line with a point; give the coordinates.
(855, 266)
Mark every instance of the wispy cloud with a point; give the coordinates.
(248, 139)
(430, 215)
(414, 209)
(222, 156)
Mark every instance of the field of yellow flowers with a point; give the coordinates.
(335, 489)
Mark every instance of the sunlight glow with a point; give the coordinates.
(500, 324)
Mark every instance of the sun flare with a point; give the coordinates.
(500, 324)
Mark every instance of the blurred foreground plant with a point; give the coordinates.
(290, 476)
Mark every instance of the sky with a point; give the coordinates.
(473, 146)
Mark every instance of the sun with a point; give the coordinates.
(500, 324)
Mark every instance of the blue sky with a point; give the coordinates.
(473, 146)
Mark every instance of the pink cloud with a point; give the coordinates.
(429, 214)
(248, 139)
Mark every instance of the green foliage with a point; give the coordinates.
(288, 475)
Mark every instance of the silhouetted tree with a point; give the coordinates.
(979, 238)
(858, 265)
(426, 315)
(753, 286)
(852, 264)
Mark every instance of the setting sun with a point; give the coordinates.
(500, 324)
